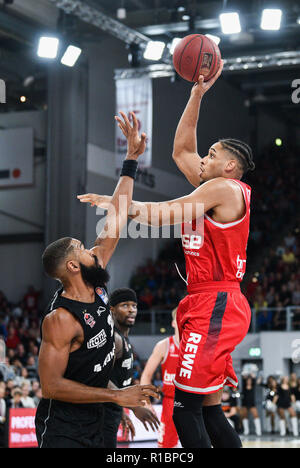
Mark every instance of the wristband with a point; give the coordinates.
(129, 168)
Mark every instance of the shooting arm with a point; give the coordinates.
(185, 152)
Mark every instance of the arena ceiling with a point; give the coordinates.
(22, 21)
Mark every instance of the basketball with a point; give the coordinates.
(194, 55)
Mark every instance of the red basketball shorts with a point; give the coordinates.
(167, 437)
(212, 320)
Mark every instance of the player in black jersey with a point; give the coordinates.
(123, 304)
(78, 350)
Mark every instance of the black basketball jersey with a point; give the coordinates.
(92, 363)
(123, 368)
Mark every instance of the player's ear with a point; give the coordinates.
(72, 266)
(230, 165)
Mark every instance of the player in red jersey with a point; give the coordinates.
(165, 354)
(215, 316)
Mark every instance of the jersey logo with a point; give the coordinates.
(88, 318)
(168, 378)
(97, 341)
(100, 310)
(241, 264)
(192, 241)
(127, 363)
(126, 382)
(102, 294)
(109, 357)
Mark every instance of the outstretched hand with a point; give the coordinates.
(201, 86)
(102, 201)
(136, 144)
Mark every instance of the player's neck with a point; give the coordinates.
(79, 291)
(124, 330)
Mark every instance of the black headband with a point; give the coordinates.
(122, 295)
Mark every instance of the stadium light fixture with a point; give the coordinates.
(154, 50)
(48, 47)
(271, 19)
(230, 23)
(216, 39)
(174, 43)
(71, 56)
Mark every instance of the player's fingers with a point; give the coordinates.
(155, 420)
(131, 428)
(214, 78)
(125, 132)
(143, 421)
(134, 121)
(126, 120)
(122, 125)
(150, 393)
(145, 401)
(86, 195)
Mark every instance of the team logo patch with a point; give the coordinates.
(89, 319)
(100, 310)
(97, 341)
(102, 294)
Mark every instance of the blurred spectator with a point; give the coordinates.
(16, 400)
(31, 367)
(2, 414)
(3, 329)
(296, 294)
(229, 406)
(26, 400)
(12, 339)
(31, 299)
(157, 380)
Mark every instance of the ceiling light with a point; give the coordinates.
(154, 50)
(48, 47)
(230, 23)
(271, 19)
(121, 13)
(216, 39)
(174, 43)
(70, 56)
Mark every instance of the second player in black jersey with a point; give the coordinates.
(123, 304)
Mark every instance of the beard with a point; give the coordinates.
(94, 275)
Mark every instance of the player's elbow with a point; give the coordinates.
(176, 154)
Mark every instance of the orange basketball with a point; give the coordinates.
(196, 55)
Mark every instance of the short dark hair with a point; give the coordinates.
(241, 151)
(54, 255)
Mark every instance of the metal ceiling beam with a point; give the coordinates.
(277, 61)
(98, 19)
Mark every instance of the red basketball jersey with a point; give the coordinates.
(168, 367)
(216, 251)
